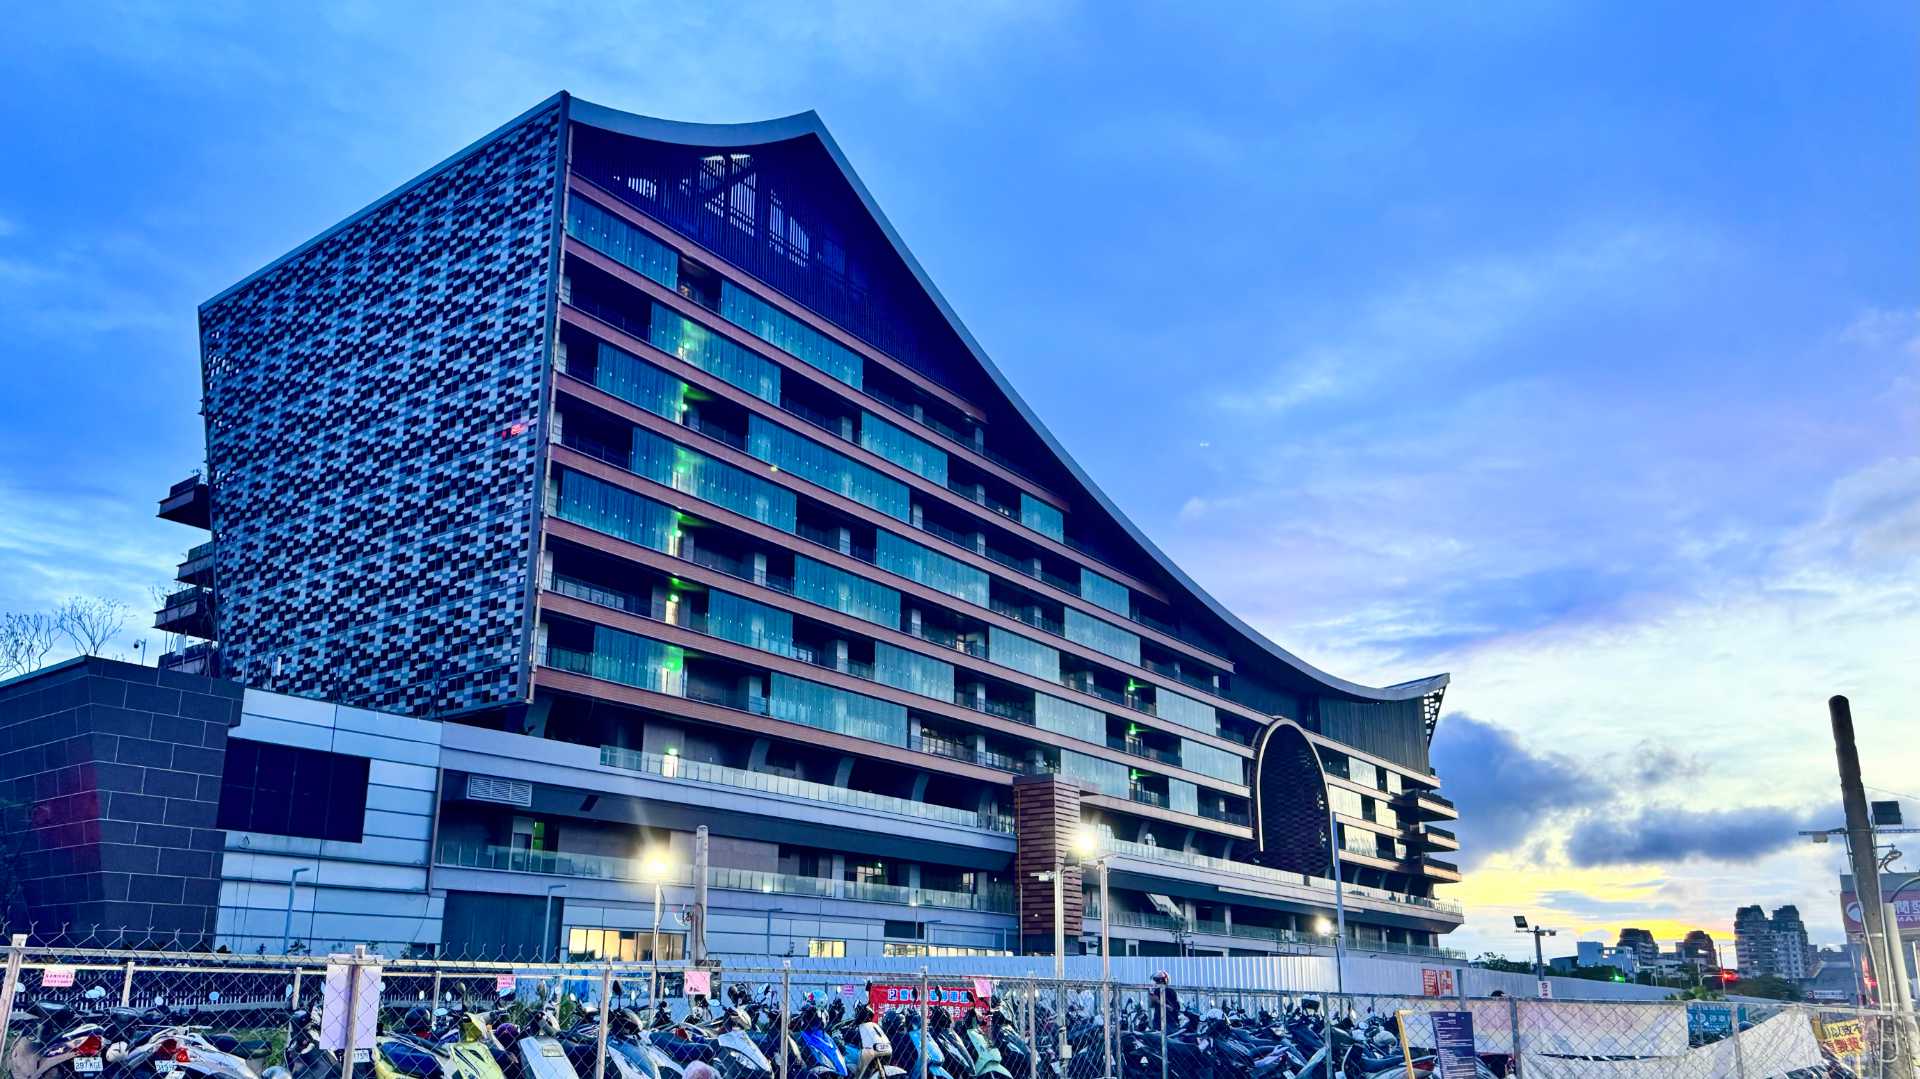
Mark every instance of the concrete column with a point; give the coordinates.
(919, 787)
(843, 538)
(757, 756)
(913, 621)
(759, 567)
(843, 774)
(839, 654)
(839, 876)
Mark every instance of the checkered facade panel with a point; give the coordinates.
(372, 416)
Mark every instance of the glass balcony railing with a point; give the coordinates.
(1279, 876)
(669, 766)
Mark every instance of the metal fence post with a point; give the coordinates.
(1107, 1033)
(436, 990)
(786, 998)
(1331, 1072)
(1739, 1047)
(126, 985)
(1060, 1025)
(16, 954)
(293, 1002)
(606, 1017)
(1513, 1024)
(1033, 1046)
(926, 1034)
(352, 1002)
(1160, 1008)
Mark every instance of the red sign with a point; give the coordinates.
(883, 997)
(1906, 908)
(1436, 983)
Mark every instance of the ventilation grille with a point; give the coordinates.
(513, 792)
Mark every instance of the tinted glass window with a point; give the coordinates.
(263, 784)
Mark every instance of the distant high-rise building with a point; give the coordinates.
(1792, 955)
(1697, 949)
(1753, 940)
(1641, 943)
(1775, 946)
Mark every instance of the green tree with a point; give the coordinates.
(1490, 961)
(1766, 986)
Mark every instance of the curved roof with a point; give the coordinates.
(799, 125)
(808, 124)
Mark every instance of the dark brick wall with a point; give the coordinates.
(109, 782)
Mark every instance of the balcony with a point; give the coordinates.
(670, 766)
(1426, 805)
(1227, 816)
(1437, 869)
(1139, 748)
(188, 502)
(1146, 796)
(1439, 838)
(201, 659)
(197, 567)
(1318, 890)
(188, 612)
(629, 870)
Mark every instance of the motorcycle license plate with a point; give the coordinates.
(166, 1066)
(86, 1065)
(552, 1049)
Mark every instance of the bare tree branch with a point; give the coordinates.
(91, 622)
(26, 640)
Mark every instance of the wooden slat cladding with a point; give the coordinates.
(1046, 814)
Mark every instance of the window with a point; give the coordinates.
(827, 949)
(608, 234)
(829, 586)
(1185, 711)
(912, 672)
(286, 790)
(826, 708)
(935, 570)
(683, 469)
(1105, 591)
(831, 469)
(1041, 517)
(908, 451)
(1012, 650)
(776, 327)
(629, 945)
(1102, 636)
(587, 500)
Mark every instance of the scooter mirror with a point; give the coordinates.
(96, 993)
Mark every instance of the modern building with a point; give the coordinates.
(644, 466)
(1775, 946)
(1640, 942)
(1697, 950)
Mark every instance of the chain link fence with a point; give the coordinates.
(123, 1014)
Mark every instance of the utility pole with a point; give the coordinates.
(1860, 841)
(1882, 961)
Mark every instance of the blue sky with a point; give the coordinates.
(1574, 349)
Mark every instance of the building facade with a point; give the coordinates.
(644, 463)
(1775, 946)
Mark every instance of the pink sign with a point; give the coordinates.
(56, 978)
(700, 983)
(1906, 908)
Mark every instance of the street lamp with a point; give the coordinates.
(1088, 845)
(286, 929)
(655, 868)
(546, 924)
(1536, 932)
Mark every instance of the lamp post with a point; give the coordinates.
(656, 867)
(1339, 907)
(1088, 844)
(286, 928)
(1536, 932)
(546, 924)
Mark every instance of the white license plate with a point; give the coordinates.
(86, 1065)
(165, 1065)
(551, 1049)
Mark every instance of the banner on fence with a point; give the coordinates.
(883, 997)
(1781, 1045)
(1845, 1038)
(1454, 1054)
(56, 978)
(1436, 982)
(340, 987)
(701, 982)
